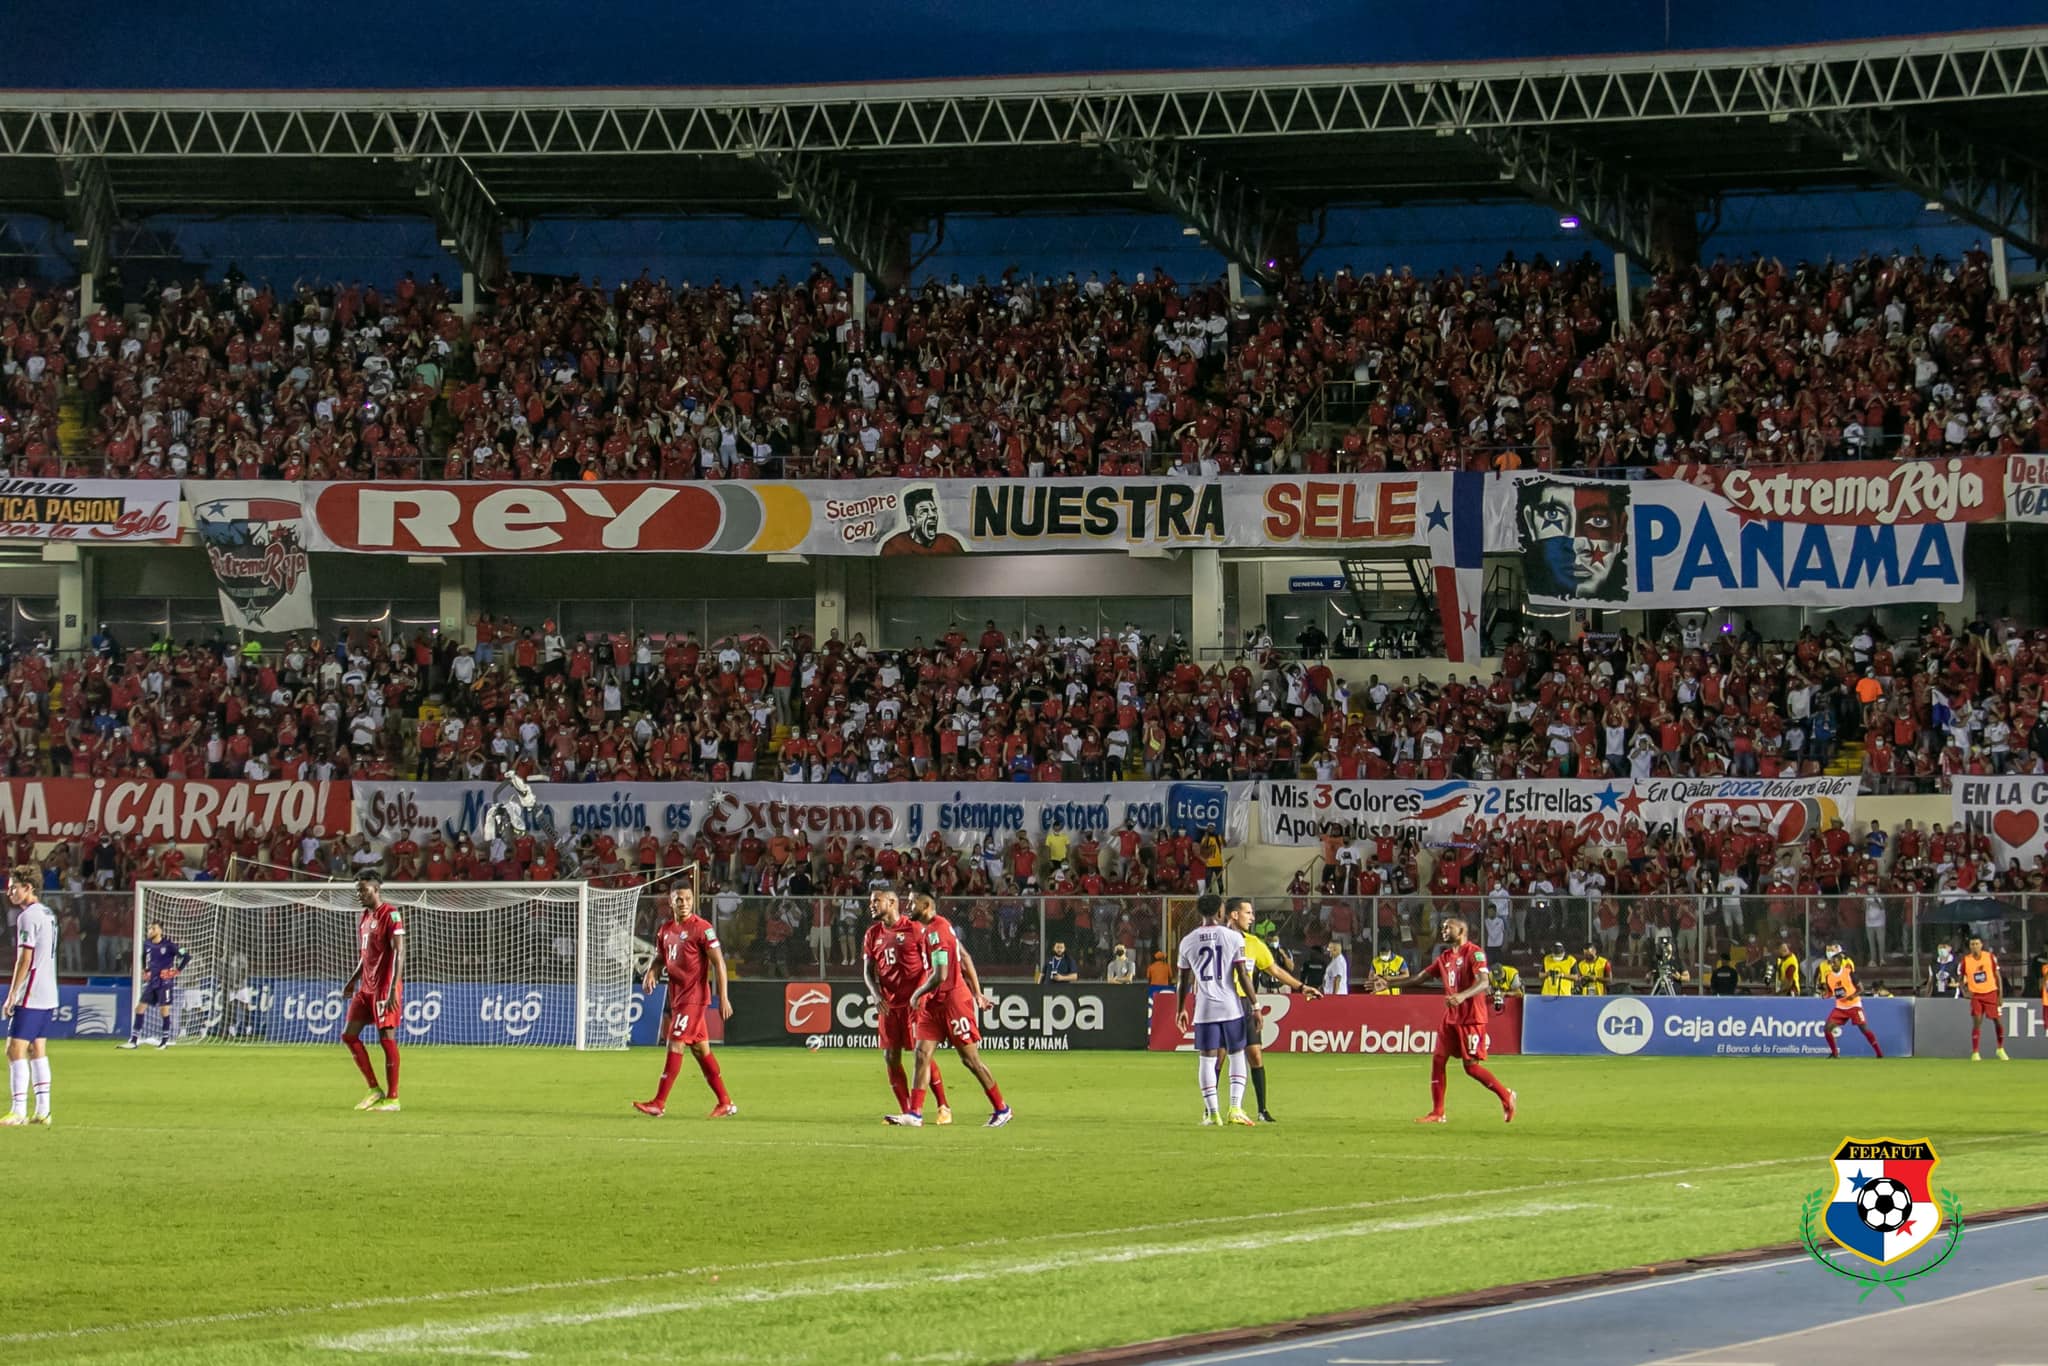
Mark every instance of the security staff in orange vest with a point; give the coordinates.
(1838, 977)
(1981, 982)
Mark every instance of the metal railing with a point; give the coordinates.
(1012, 936)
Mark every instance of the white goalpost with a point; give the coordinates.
(548, 963)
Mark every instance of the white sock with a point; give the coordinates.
(1205, 1072)
(1240, 1071)
(17, 1082)
(39, 1073)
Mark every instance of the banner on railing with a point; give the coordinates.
(2012, 811)
(1348, 1024)
(255, 539)
(90, 1011)
(877, 517)
(1301, 811)
(100, 511)
(880, 813)
(172, 809)
(444, 1012)
(1711, 537)
(1706, 1026)
(820, 1015)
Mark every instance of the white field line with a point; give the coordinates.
(890, 1254)
(419, 1336)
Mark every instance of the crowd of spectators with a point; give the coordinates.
(1523, 365)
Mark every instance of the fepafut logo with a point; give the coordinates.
(1625, 1025)
(806, 1008)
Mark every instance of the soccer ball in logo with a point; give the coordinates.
(1883, 1205)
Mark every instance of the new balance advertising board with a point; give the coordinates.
(1349, 1024)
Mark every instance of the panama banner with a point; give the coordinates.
(1714, 537)
(255, 539)
(963, 814)
(1302, 811)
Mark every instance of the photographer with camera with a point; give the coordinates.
(1665, 973)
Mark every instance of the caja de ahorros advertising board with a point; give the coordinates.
(1706, 1026)
(1022, 1016)
(452, 1012)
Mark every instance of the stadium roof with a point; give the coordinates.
(1637, 146)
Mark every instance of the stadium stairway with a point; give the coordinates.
(1848, 760)
(74, 424)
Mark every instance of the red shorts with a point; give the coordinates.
(1853, 1015)
(1466, 1042)
(683, 1019)
(950, 1019)
(362, 1009)
(895, 1026)
(1983, 1007)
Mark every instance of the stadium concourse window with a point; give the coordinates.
(708, 619)
(29, 620)
(391, 620)
(905, 620)
(136, 622)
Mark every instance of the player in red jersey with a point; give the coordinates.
(687, 956)
(376, 990)
(1466, 978)
(943, 1009)
(893, 962)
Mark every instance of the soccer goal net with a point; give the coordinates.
(485, 963)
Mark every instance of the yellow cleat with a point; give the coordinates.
(11, 1120)
(43, 1120)
(371, 1101)
(2002, 1056)
(386, 1106)
(945, 1114)
(1238, 1116)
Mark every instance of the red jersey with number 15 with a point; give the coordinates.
(683, 949)
(898, 953)
(1459, 967)
(377, 936)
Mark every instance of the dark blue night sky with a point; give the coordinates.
(419, 43)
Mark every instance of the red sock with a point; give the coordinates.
(1436, 1084)
(362, 1057)
(1974, 1035)
(916, 1106)
(1485, 1078)
(994, 1094)
(1998, 1032)
(938, 1087)
(713, 1078)
(1873, 1043)
(390, 1064)
(1833, 1050)
(900, 1084)
(669, 1067)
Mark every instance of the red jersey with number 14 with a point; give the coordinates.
(683, 949)
(898, 953)
(1459, 967)
(377, 936)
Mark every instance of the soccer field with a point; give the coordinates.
(216, 1205)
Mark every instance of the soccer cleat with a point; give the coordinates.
(945, 1114)
(1433, 1117)
(1209, 1120)
(1975, 1056)
(648, 1108)
(998, 1119)
(371, 1101)
(130, 1044)
(1507, 1108)
(906, 1120)
(2002, 1057)
(166, 1043)
(1238, 1116)
(42, 1119)
(13, 1119)
(725, 1111)
(386, 1106)
(1266, 1117)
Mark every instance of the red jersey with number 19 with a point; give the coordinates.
(1459, 967)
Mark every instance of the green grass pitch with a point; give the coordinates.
(225, 1205)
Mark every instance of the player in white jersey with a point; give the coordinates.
(1212, 960)
(31, 998)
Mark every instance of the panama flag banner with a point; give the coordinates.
(1884, 1205)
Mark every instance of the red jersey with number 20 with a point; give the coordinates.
(898, 953)
(1459, 967)
(942, 947)
(683, 949)
(377, 936)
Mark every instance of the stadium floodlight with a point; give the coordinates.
(1569, 222)
(485, 962)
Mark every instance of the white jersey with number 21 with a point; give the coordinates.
(1210, 951)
